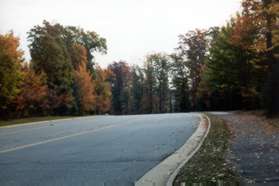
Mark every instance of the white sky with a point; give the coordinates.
(133, 28)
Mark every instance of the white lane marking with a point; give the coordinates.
(34, 123)
(46, 121)
(24, 130)
(54, 139)
(38, 125)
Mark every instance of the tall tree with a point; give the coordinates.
(10, 75)
(90, 40)
(78, 55)
(257, 31)
(33, 96)
(58, 51)
(162, 66)
(103, 90)
(137, 89)
(156, 84)
(230, 74)
(192, 48)
(149, 95)
(120, 83)
(180, 83)
(269, 12)
(85, 91)
(49, 55)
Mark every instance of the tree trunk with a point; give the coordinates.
(272, 88)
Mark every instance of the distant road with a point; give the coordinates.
(90, 151)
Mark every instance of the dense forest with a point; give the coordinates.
(231, 67)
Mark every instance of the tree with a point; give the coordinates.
(256, 30)
(103, 90)
(137, 89)
(269, 13)
(149, 94)
(229, 74)
(10, 75)
(90, 40)
(33, 96)
(50, 56)
(192, 49)
(180, 83)
(162, 66)
(120, 83)
(85, 91)
(58, 51)
(156, 84)
(78, 55)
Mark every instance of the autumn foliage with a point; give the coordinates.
(32, 98)
(102, 90)
(10, 74)
(60, 78)
(85, 92)
(231, 67)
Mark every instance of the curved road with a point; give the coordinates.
(90, 151)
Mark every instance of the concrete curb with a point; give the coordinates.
(165, 172)
(188, 157)
(41, 122)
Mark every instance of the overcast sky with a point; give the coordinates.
(133, 28)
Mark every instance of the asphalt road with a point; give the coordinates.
(93, 151)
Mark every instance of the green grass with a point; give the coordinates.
(32, 119)
(208, 166)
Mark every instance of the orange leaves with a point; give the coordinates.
(9, 45)
(10, 76)
(85, 89)
(242, 32)
(251, 26)
(33, 92)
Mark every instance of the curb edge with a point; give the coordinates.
(174, 174)
(165, 172)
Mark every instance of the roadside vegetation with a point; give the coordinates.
(232, 67)
(209, 166)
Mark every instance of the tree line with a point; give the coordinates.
(222, 68)
(60, 79)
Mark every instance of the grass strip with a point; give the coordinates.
(208, 166)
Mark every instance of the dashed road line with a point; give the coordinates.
(54, 139)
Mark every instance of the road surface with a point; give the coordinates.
(90, 151)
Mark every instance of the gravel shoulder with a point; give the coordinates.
(254, 147)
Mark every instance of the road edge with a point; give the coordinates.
(46, 121)
(165, 172)
(188, 157)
